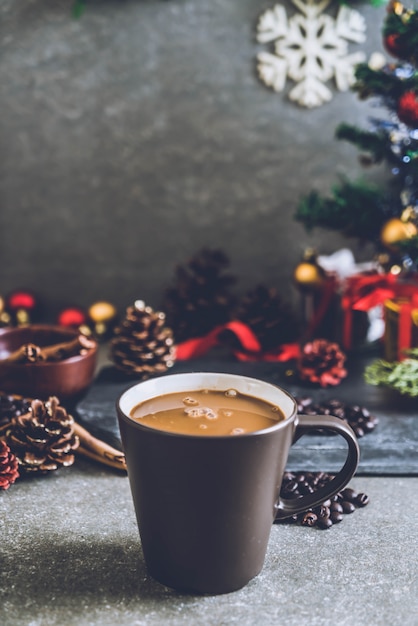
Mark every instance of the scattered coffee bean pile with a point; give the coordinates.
(12, 406)
(358, 417)
(330, 511)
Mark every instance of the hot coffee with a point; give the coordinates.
(207, 413)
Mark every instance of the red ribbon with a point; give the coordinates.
(250, 346)
(362, 293)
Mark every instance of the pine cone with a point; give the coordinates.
(322, 362)
(200, 301)
(43, 438)
(272, 321)
(143, 344)
(8, 466)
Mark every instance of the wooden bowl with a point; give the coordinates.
(66, 378)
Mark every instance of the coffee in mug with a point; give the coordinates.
(207, 413)
(205, 502)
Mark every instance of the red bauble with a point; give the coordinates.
(21, 300)
(72, 317)
(391, 43)
(408, 108)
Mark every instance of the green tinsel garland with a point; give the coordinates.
(402, 376)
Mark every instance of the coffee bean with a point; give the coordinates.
(336, 507)
(348, 507)
(336, 517)
(324, 522)
(349, 494)
(331, 510)
(309, 519)
(362, 499)
(355, 415)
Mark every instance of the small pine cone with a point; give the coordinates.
(201, 298)
(272, 321)
(322, 362)
(142, 343)
(43, 438)
(8, 466)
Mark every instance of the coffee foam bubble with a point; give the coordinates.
(201, 411)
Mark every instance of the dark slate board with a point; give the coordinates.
(390, 449)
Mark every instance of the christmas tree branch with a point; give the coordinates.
(374, 143)
(371, 82)
(354, 208)
(399, 375)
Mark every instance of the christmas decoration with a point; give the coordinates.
(72, 317)
(43, 438)
(103, 317)
(322, 362)
(396, 230)
(318, 292)
(5, 318)
(143, 344)
(201, 298)
(408, 108)
(308, 274)
(365, 210)
(22, 305)
(310, 48)
(272, 321)
(8, 466)
(401, 324)
(400, 32)
(401, 376)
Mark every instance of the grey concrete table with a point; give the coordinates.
(70, 555)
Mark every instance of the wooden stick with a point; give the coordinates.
(30, 353)
(98, 450)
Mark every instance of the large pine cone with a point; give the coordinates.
(322, 362)
(8, 466)
(272, 321)
(201, 298)
(43, 438)
(143, 344)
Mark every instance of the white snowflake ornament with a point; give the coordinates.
(310, 48)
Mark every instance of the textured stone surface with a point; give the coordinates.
(70, 554)
(139, 133)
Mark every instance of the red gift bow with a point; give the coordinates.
(362, 293)
(194, 348)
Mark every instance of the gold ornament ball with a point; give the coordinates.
(308, 275)
(102, 312)
(395, 230)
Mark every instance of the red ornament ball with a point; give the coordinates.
(72, 317)
(21, 300)
(392, 45)
(408, 108)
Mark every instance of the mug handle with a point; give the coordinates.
(286, 507)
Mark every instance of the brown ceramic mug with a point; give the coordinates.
(205, 505)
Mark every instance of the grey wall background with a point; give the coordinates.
(134, 136)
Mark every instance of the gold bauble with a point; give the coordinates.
(396, 230)
(102, 312)
(308, 275)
